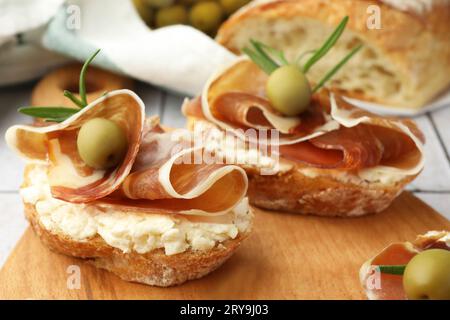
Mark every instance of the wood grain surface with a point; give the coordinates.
(287, 257)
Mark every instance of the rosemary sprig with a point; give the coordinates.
(392, 269)
(269, 59)
(83, 77)
(271, 52)
(329, 43)
(73, 98)
(268, 66)
(48, 112)
(260, 57)
(57, 113)
(263, 55)
(336, 68)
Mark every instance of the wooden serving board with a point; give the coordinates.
(287, 257)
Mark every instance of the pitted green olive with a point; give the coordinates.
(172, 15)
(206, 16)
(427, 275)
(231, 6)
(288, 90)
(159, 3)
(101, 143)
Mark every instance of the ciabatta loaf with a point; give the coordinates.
(406, 57)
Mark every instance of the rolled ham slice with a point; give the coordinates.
(166, 178)
(159, 173)
(332, 134)
(69, 177)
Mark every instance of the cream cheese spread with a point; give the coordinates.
(370, 175)
(139, 232)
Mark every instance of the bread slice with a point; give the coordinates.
(152, 268)
(404, 63)
(297, 188)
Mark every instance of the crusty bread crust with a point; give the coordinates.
(396, 67)
(324, 195)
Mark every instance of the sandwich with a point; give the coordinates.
(326, 157)
(410, 270)
(405, 60)
(106, 184)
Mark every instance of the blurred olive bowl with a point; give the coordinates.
(204, 15)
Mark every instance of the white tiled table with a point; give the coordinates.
(432, 186)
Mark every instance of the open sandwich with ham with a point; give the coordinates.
(153, 217)
(333, 159)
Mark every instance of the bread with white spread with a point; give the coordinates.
(158, 250)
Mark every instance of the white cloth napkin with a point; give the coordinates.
(18, 16)
(23, 58)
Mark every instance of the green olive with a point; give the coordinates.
(231, 6)
(206, 16)
(144, 11)
(288, 90)
(427, 275)
(101, 143)
(172, 15)
(159, 3)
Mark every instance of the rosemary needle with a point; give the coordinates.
(83, 76)
(392, 269)
(336, 68)
(48, 112)
(329, 43)
(57, 113)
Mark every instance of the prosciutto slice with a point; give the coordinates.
(381, 286)
(166, 173)
(69, 177)
(158, 175)
(331, 134)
